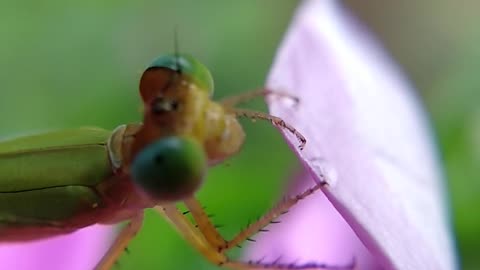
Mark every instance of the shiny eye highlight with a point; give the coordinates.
(170, 169)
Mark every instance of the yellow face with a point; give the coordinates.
(176, 92)
(168, 157)
(170, 100)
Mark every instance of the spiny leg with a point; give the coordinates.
(281, 208)
(259, 265)
(203, 223)
(216, 255)
(191, 233)
(229, 104)
(232, 101)
(277, 121)
(120, 243)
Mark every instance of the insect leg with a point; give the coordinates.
(259, 265)
(191, 233)
(216, 255)
(232, 101)
(203, 222)
(121, 242)
(277, 121)
(281, 208)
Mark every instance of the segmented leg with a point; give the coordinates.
(232, 101)
(281, 208)
(121, 243)
(203, 223)
(191, 233)
(277, 121)
(259, 265)
(208, 241)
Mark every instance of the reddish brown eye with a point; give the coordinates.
(154, 81)
(165, 69)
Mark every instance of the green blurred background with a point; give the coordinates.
(77, 63)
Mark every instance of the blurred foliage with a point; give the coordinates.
(77, 63)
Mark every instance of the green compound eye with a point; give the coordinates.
(187, 65)
(170, 169)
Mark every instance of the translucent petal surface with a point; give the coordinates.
(367, 137)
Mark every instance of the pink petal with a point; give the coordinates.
(77, 251)
(369, 139)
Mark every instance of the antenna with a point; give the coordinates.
(176, 50)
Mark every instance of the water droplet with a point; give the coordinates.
(284, 98)
(325, 171)
(289, 102)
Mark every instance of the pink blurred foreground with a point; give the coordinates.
(77, 251)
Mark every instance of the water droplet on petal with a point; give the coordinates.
(325, 170)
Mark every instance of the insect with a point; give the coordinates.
(85, 176)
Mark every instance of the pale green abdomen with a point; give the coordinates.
(51, 177)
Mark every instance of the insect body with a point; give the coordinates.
(86, 176)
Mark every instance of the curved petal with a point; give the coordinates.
(367, 137)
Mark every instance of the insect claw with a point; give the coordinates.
(261, 260)
(276, 260)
